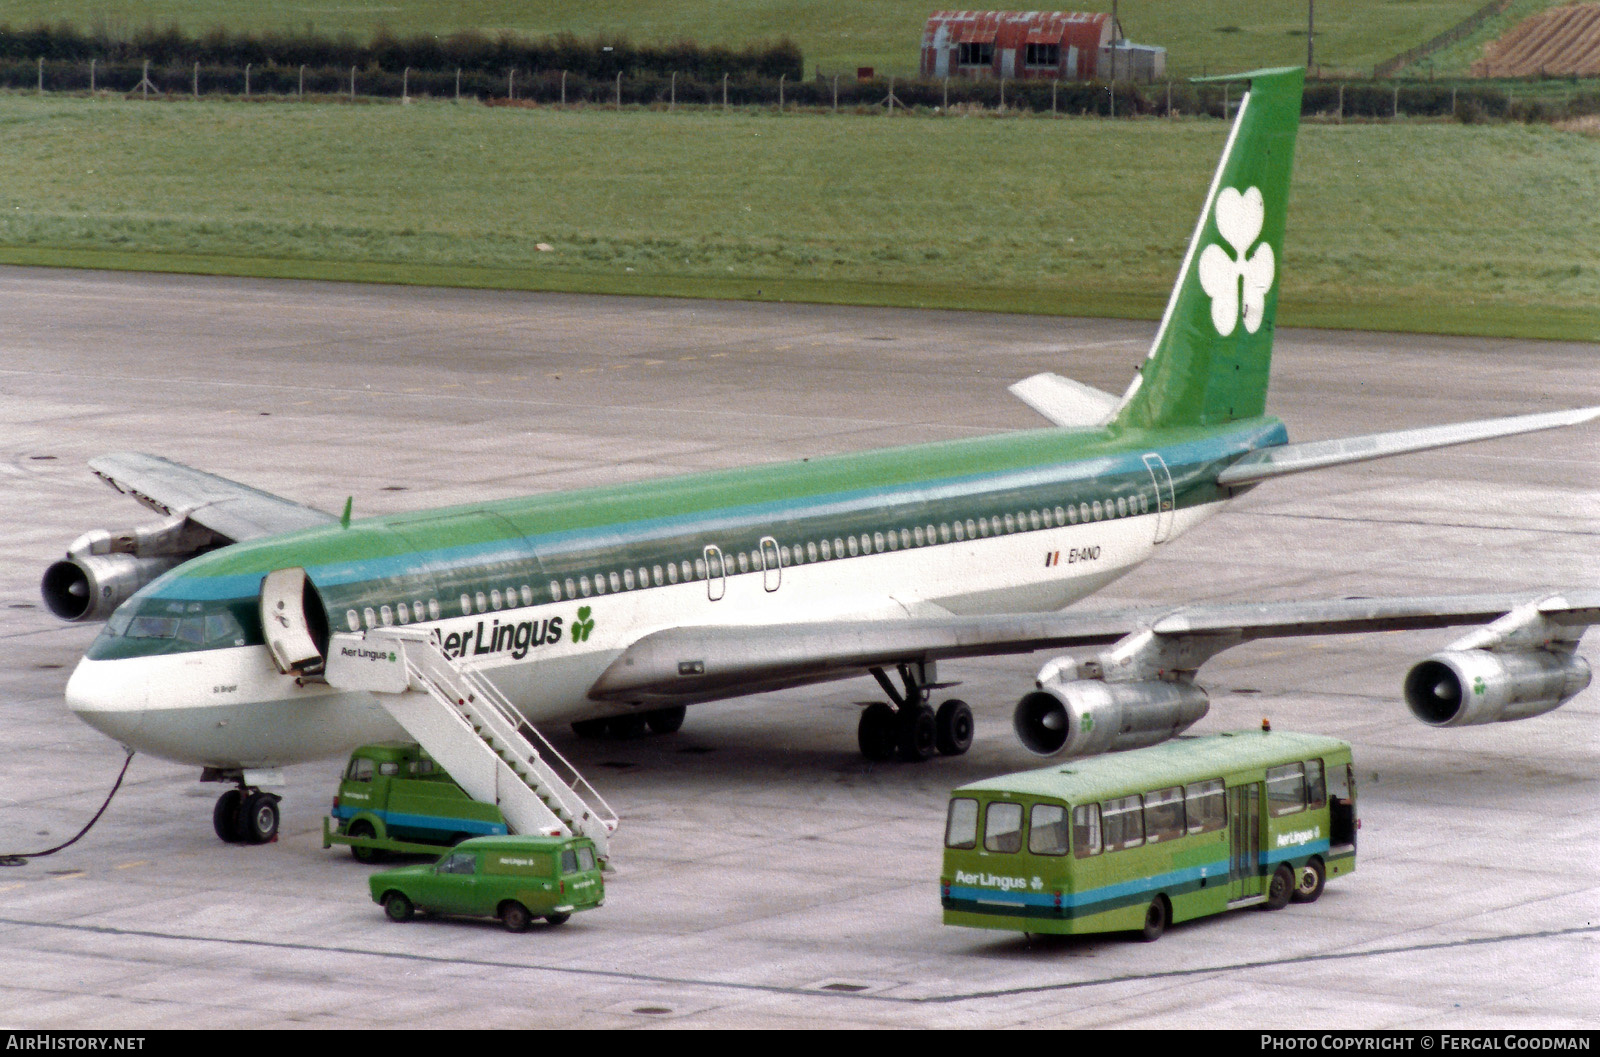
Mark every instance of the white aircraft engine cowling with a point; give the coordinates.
(1463, 688)
(1082, 717)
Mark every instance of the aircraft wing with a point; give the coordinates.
(685, 665)
(229, 509)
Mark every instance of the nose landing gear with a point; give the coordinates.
(246, 815)
(910, 728)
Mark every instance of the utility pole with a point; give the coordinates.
(1311, 34)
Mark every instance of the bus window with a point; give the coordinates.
(1047, 830)
(1163, 814)
(961, 828)
(1002, 830)
(1124, 822)
(1316, 790)
(1086, 830)
(1286, 789)
(1208, 806)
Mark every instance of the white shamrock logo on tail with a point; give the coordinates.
(1239, 218)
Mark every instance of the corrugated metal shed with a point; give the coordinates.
(1016, 45)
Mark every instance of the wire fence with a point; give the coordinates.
(1326, 99)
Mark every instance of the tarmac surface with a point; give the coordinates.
(766, 874)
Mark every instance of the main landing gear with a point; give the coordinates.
(910, 728)
(246, 815)
(632, 725)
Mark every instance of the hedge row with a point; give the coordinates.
(598, 58)
(1351, 100)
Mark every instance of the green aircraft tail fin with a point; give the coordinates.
(1211, 356)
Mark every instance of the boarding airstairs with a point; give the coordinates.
(472, 731)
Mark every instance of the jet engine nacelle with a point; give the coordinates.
(1082, 717)
(1462, 688)
(90, 587)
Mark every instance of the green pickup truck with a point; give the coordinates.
(513, 878)
(395, 798)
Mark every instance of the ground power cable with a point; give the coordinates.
(22, 859)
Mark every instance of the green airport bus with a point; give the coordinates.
(1135, 841)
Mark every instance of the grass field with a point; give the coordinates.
(1199, 35)
(1433, 227)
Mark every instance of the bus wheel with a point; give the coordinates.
(397, 906)
(1312, 877)
(1280, 889)
(1156, 918)
(514, 916)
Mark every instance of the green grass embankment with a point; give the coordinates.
(1428, 227)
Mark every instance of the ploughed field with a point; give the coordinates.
(1564, 41)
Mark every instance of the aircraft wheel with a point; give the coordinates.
(918, 734)
(666, 720)
(590, 728)
(260, 818)
(225, 816)
(1312, 877)
(626, 728)
(514, 916)
(953, 725)
(876, 732)
(1281, 889)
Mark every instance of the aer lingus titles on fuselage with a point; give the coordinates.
(635, 600)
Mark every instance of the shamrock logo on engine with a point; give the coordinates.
(1239, 220)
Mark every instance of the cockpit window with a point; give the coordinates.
(153, 628)
(157, 625)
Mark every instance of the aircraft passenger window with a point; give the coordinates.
(1002, 828)
(386, 615)
(672, 572)
(878, 542)
(555, 591)
(1122, 506)
(583, 585)
(466, 605)
(1086, 830)
(1207, 806)
(1061, 516)
(527, 595)
(855, 548)
(916, 534)
(403, 613)
(1316, 789)
(944, 532)
(1097, 510)
(893, 540)
(494, 598)
(838, 547)
(905, 538)
(1072, 515)
(1034, 520)
(1083, 511)
(352, 620)
(827, 552)
(483, 603)
(658, 576)
(1144, 503)
(616, 582)
(416, 609)
(370, 616)
(699, 568)
(1286, 789)
(961, 825)
(959, 530)
(1047, 516)
(434, 610)
(1123, 822)
(627, 577)
(932, 534)
(811, 552)
(1011, 523)
(1047, 830)
(1163, 814)
(972, 529)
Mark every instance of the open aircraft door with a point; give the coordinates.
(293, 621)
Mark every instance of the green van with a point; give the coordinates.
(513, 878)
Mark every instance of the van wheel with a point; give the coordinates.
(398, 907)
(1156, 917)
(515, 917)
(365, 855)
(1280, 889)
(558, 919)
(1312, 877)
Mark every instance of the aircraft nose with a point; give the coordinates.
(108, 696)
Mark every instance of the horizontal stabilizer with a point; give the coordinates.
(1069, 404)
(1315, 455)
